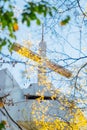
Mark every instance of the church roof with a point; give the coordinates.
(8, 85)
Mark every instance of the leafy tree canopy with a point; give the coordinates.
(30, 12)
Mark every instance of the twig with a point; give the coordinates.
(77, 76)
(12, 118)
(81, 8)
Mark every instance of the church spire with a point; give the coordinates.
(42, 53)
(42, 32)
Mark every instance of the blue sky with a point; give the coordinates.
(63, 42)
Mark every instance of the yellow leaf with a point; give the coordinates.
(1, 104)
(4, 122)
(15, 27)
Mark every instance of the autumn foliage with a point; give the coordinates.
(1, 104)
(15, 27)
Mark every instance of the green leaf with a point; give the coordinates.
(10, 14)
(10, 27)
(38, 22)
(65, 21)
(54, 8)
(4, 23)
(28, 22)
(50, 13)
(10, 45)
(12, 35)
(2, 126)
(32, 16)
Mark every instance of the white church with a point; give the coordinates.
(24, 104)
